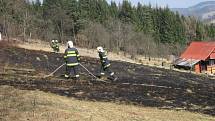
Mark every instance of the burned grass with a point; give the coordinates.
(137, 84)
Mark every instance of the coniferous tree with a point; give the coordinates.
(211, 31)
(113, 10)
(65, 19)
(166, 35)
(199, 32)
(125, 12)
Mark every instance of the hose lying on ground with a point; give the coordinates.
(92, 74)
(97, 79)
(51, 74)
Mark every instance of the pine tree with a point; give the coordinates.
(211, 31)
(157, 24)
(114, 13)
(84, 9)
(144, 19)
(199, 31)
(179, 29)
(64, 19)
(125, 12)
(166, 33)
(99, 11)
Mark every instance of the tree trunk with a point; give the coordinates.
(119, 38)
(5, 27)
(74, 36)
(62, 34)
(25, 25)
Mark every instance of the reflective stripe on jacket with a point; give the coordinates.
(104, 60)
(71, 56)
(54, 45)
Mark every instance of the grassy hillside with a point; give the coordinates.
(23, 105)
(141, 92)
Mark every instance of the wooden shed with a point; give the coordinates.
(200, 56)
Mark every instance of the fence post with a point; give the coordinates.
(191, 65)
(0, 36)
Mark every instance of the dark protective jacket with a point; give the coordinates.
(71, 57)
(54, 45)
(104, 60)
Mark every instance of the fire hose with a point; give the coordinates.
(51, 74)
(97, 79)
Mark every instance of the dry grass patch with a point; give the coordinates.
(22, 105)
(44, 46)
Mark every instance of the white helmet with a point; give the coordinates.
(53, 40)
(100, 49)
(56, 40)
(70, 44)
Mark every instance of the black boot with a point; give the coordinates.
(66, 76)
(113, 78)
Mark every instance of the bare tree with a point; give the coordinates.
(96, 35)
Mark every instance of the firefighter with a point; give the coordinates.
(72, 60)
(105, 64)
(55, 45)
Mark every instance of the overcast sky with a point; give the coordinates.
(170, 3)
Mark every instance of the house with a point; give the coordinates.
(199, 56)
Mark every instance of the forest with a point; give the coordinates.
(119, 27)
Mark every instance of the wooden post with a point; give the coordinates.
(0, 36)
(191, 65)
(73, 30)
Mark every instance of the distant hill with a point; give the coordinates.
(204, 11)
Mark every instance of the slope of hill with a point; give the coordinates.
(137, 84)
(204, 11)
(25, 105)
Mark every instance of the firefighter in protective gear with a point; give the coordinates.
(72, 59)
(55, 45)
(105, 64)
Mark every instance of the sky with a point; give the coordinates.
(163, 3)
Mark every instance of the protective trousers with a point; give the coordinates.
(104, 70)
(72, 70)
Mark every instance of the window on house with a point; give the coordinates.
(211, 62)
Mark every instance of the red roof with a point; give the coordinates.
(199, 50)
(212, 56)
